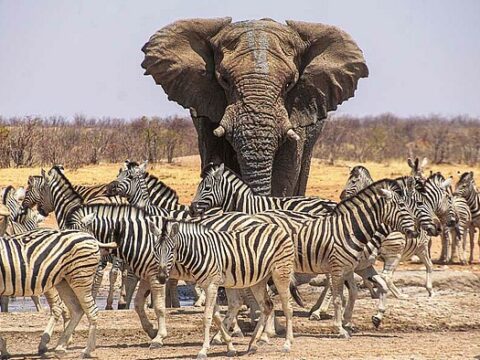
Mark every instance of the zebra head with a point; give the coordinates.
(165, 246)
(414, 195)
(38, 193)
(210, 192)
(438, 193)
(417, 168)
(396, 213)
(466, 185)
(359, 179)
(127, 183)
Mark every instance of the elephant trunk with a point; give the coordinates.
(256, 147)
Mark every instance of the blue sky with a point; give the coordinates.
(67, 57)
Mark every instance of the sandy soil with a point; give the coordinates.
(444, 326)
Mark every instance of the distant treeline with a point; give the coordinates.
(31, 141)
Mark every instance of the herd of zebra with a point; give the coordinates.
(229, 237)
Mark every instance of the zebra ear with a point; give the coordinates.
(446, 183)
(154, 230)
(387, 194)
(143, 166)
(219, 172)
(424, 162)
(19, 194)
(87, 220)
(410, 163)
(174, 230)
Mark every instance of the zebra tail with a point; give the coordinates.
(296, 295)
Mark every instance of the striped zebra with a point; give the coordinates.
(53, 263)
(4, 215)
(328, 245)
(159, 194)
(396, 247)
(57, 193)
(221, 187)
(38, 193)
(22, 223)
(235, 260)
(467, 189)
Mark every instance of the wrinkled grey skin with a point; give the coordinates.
(258, 91)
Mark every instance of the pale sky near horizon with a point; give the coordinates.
(67, 57)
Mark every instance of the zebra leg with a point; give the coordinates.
(84, 297)
(471, 234)
(200, 296)
(71, 301)
(234, 303)
(461, 241)
(427, 261)
(112, 280)
(225, 336)
(445, 258)
(319, 310)
(142, 293)
(370, 277)
(352, 297)
(122, 303)
(172, 293)
(54, 303)
(97, 282)
(130, 286)
(158, 292)
(282, 283)
(211, 298)
(4, 303)
(3, 349)
(38, 304)
(391, 263)
(266, 306)
(455, 252)
(337, 293)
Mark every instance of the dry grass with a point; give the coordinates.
(183, 176)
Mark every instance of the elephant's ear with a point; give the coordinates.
(330, 66)
(180, 59)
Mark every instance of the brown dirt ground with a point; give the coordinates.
(444, 326)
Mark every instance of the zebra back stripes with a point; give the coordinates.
(159, 194)
(220, 187)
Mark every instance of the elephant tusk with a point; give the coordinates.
(293, 135)
(219, 131)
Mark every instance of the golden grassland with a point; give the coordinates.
(325, 180)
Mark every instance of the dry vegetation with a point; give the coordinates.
(183, 174)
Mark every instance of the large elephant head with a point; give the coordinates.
(262, 86)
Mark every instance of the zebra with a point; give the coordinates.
(53, 263)
(466, 188)
(328, 245)
(4, 215)
(396, 247)
(37, 192)
(57, 193)
(221, 187)
(159, 194)
(22, 223)
(235, 260)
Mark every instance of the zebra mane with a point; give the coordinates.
(390, 184)
(465, 175)
(6, 193)
(59, 171)
(357, 169)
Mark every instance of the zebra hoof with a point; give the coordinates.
(344, 334)
(60, 351)
(42, 350)
(201, 356)
(350, 328)
(85, 355)
(252, 349)
(109, 307)
(217, 341)
(122, 307)
(155, 345)
(376, 321)
(232, 353)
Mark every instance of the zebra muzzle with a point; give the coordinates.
(162, 276)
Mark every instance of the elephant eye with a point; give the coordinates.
(288, 85)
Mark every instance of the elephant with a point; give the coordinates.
(258, 91)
